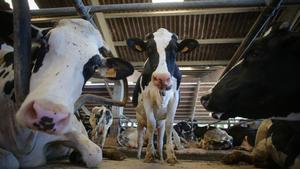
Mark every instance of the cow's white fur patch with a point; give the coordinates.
(162, 37)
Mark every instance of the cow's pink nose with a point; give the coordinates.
(162, 81)
(48, 117)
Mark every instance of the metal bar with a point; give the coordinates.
(191, 63)
(156, 6)
(83, 11)
(201, 41)
(196, 96)
(22, 45)
(254, 31)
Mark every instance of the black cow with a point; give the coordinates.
(276, 145)
(264, 84)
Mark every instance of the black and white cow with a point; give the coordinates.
(100, 119)
(73, 52)
(276, 145)
(265, 83)
(156, 93)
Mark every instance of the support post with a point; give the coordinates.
(118, 94)
(22, 46)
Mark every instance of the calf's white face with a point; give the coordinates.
(72, 57)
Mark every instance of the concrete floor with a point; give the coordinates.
(131, 163)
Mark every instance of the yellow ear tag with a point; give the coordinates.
(138, 47)
(111, 73)
(185, 49)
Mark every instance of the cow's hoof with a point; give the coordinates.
(8, 160)
(113, 154)
(172, 161)
(149, 158)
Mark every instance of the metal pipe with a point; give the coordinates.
(156, 6)
(102, 100)
(83, 11)
(254, 31)
(22, 45)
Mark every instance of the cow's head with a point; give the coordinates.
(161, 48)
(265, 83)
(74, 51)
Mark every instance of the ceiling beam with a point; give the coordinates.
(101, 23)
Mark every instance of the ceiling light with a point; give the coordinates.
(166, 1)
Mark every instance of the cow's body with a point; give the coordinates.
(264, 84)
(69, 58)
(101, 119)
(277, 143)
(156, 93)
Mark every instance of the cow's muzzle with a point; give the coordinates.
(45, 116)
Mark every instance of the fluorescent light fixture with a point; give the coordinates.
(186, 68)
(166, 1)
(31, 3)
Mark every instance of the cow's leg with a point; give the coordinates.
(171, 158)
(90, 152)
(151, 125)
(150, 151)
(140, 141)
(8, 160)
(160, 139)
(43, 150)
(177, 141)
(77, 138)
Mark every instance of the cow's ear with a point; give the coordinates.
(116, 69)
(136, 44)
(187, 45)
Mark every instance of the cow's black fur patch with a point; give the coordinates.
(2, 72)
(91, 65)
(8, 87)
(8, 59)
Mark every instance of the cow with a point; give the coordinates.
(216, 139)
(156, 93)
(44, 127)
(101, 119)
(244, 134)
(276, 145)
(264, 83)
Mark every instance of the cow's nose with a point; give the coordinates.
(48, 117)
(205, 100)
(162, 80)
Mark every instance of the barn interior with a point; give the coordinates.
(223, 28)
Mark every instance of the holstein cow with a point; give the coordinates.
(264, 84)
(73, 52)
(276, 141)
(101, 119)
(156, 93)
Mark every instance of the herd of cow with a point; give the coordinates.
(263, 84)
